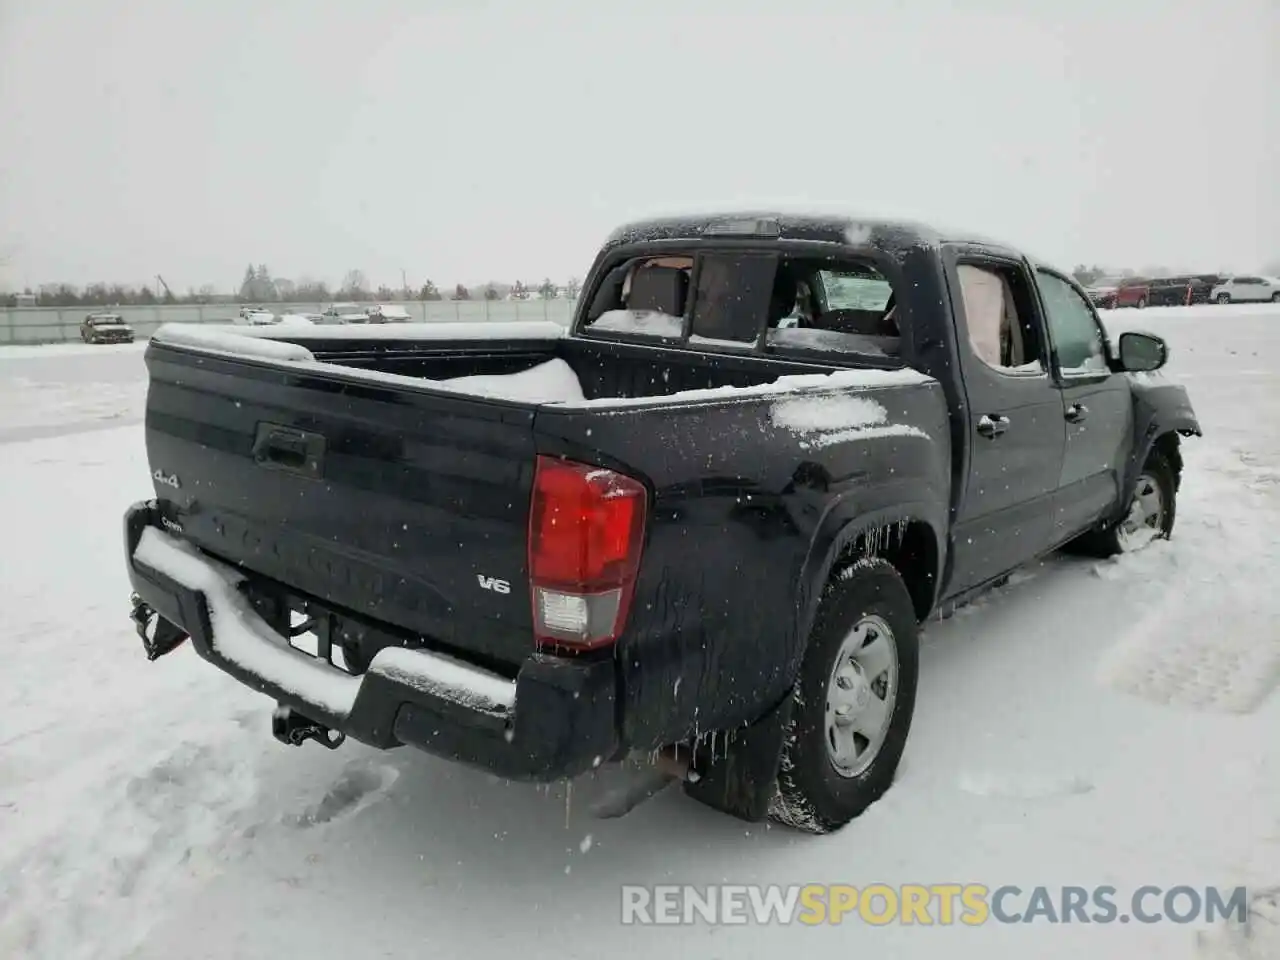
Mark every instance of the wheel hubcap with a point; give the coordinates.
(861, 695)
(1145, 520)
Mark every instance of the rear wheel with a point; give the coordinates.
(1275, 297)
(853, 701)
(1142, 303)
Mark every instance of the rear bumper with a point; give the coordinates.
(555, 719)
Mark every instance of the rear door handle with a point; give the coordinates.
(1077, 412)
(992, 425)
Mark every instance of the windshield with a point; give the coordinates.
(850, 292)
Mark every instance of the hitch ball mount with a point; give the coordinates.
(293, 729)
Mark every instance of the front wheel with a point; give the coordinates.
(853, 701)
(1224, 298)
(1150, 514)
(1275, 297)
(1142, 303)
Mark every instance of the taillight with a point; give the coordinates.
(586, 530)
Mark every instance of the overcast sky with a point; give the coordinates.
(468, 140)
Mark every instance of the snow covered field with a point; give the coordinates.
(1091, 723)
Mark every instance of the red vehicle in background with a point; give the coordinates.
(1133, 292)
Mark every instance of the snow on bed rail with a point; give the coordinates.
(414, 331)
(821, 421)
(789, 385)
(550, 382)
(229, 340)
(553, 381)
(244, 638)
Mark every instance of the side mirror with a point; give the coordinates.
(1142, 352)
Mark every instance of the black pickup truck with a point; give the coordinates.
(702, 524)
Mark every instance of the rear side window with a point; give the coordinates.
(833, 306)
(1002, 333)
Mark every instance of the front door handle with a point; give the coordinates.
(1077, 412)
(992, 425)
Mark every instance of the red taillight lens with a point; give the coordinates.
(586, 531)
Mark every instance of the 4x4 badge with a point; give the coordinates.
(171, 480)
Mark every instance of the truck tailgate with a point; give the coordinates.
(397, 504)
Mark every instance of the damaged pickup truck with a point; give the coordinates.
(702, 524)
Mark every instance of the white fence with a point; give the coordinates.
(57, 324)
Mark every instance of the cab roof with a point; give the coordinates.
(823, 227)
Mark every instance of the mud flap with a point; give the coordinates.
(622, 800)
(742, 782)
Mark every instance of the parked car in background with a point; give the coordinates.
(251, 308)
(1103, 291)
(388, 313)
(1133, 292)
(1251, 289)
(1185, 290)
(257, 318)
(345, 313)
(1202, 286)
(105, 328)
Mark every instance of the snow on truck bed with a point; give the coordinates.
(552, 382)
(1091, 723)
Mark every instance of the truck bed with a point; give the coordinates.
(386, 477)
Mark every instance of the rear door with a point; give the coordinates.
(1016, 431)
(1097, 407)
(381, 499)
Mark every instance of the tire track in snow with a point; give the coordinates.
(99, 868)
(1210, 639)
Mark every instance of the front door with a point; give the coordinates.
(1097, 408)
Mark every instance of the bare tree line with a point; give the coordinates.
(259, 285)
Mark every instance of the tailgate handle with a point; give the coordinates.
(285, 448)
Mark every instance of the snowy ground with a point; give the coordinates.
(1091, 723)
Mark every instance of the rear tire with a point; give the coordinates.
(1142, 303)
(1275, 298)
(854, 699)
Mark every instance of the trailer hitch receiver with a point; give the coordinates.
(293, 729)
(159, 636)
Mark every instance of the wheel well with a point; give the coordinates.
(910, 546)
(1168, 446)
